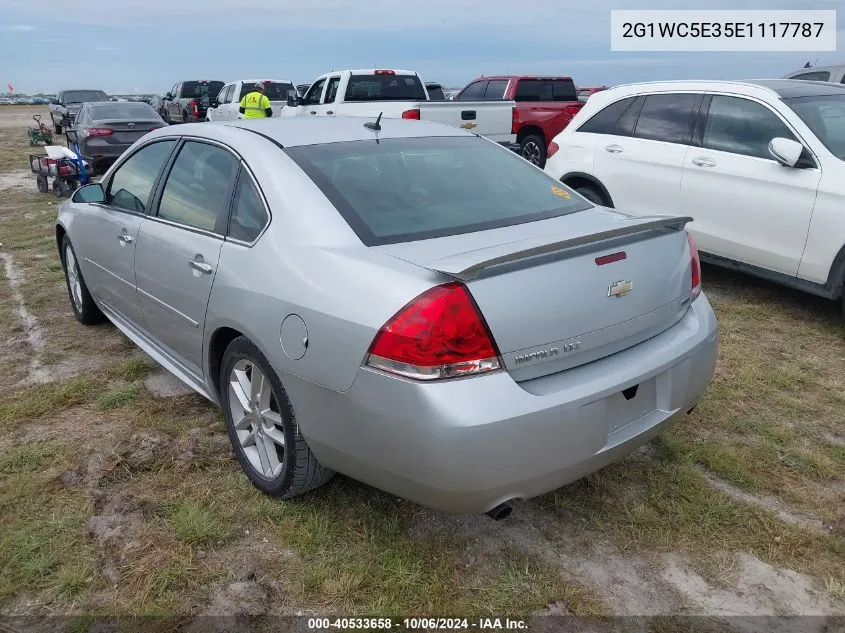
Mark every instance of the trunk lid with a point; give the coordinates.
(127, 131)
(559, 293)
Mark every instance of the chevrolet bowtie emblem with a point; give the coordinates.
(620, 288)
(469, 125)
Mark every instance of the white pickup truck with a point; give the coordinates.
(399, 94)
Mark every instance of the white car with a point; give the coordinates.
(759, 166)
(225, 107)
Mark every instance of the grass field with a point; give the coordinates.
(116, 500)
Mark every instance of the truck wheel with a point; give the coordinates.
(533, 149)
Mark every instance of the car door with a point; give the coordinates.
(224, 110)
(174, 110)
(106, 235)
(640, 163)
(329, 97)
(311, 102)
(179, 247)
(747, 206)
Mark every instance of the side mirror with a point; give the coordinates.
(93, 193)
(293, 98)
(213, 103)
(168, 96)
(785, 151)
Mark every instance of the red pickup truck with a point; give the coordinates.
(544, 107)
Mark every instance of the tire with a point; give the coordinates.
(42, 184)
(593, 195)
(533, 149)
(57, 188)
(57, 128)
(185, 118)
(295, 470)
(84, 308)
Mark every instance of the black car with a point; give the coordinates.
(188, 101)
(105, 130)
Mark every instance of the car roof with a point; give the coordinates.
(812, 69)
(300, 131)
(788, 88)
(769, 88)
(255, 81)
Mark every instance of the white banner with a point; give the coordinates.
(723, 30)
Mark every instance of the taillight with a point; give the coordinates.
(695, 262)
(552, 149)
(195, 108)
(440, 334)
(411, 114)
(97, 131)
(514, 121)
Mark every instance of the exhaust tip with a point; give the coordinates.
(500, 512)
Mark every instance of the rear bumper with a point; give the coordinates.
(100, 149)
(469, 445)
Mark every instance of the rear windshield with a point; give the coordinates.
(273, 91)
(384, 88)
(545, 90)
(129, 111)
(403, 190)
(83, 96)
(194, 89)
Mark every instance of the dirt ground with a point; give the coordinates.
(119, 493)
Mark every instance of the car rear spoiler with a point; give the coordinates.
(467, 266)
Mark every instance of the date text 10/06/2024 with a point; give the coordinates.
(426, 624)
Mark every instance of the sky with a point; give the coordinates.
(145, 46)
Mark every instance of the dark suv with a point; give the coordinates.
(188, 101)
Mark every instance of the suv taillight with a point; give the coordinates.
(552, 149)
(411, 114)
(440, 334)
(695, 263)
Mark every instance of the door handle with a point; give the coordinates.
(125, 238)
(200, 266)
(703, 162)
(329, 112)
(613, 149)
(313, 112)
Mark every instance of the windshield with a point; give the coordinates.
(129, 111)
(273, 91)
(84, 96)
(825, 116)
(194, 89)
(402, 190)
(384, 88)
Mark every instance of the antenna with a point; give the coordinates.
(374, 126)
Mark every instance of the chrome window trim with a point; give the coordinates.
(268, 216)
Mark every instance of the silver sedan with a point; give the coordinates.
(408, 304)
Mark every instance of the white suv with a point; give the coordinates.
(225, 106)
(759, 165)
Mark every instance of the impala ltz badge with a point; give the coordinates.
(620, 288)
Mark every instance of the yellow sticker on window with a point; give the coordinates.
(561, 192)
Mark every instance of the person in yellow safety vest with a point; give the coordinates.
(255, 104)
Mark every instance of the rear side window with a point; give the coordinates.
(545, 90)
(667, 117)
(741, 126)
(248, 216)
(408, 189)
(819, 75)
(198, 188)
(602, 122)
(384, 88)
(495, 89)
(132, 183)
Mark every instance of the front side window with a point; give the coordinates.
(312, 97)
(825, 116)
(197, 190)
(667, 117)
(248, 215)
(742, 126)
(408, 189)
(603, 121)
(473, 92)
(820, 75)
(132, 182)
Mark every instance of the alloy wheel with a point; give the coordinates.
(531, 152)
(255, 414)
(73, 278)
